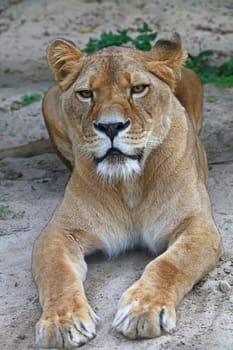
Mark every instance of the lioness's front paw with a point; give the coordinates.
(141, 315)
(66, 326)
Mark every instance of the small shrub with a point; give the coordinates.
(6, 213)
(29, 99)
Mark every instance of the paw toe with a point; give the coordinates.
(121, 314)
(135, 323)
(167, 319)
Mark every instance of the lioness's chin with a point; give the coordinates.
(118, 169)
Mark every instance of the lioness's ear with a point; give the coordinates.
(167, 57)
(65, 61)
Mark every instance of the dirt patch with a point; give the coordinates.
(31, 188)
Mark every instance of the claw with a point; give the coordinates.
(83, 329)
(96, 319)
(167, 322)
(121, 315)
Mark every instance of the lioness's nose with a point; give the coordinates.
(111, 129)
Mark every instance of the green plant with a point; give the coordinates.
(222, 75)
(107, 39)
(29, 99)
(7, 213)
(142, 40)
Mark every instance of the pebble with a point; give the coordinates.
(224, 286)
(228, 269)
(21, 336)
(15, 106)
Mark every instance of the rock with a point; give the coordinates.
(224, 286)
(15, 106)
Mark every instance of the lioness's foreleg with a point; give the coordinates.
(147, 308)
(59, 269)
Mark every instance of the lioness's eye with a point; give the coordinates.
(138, 89)
(85, 94)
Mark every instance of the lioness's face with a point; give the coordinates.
(119, 111)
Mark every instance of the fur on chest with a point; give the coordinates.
(147, 227)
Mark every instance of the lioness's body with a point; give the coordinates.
(151, 194)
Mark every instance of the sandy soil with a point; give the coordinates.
(32, 187)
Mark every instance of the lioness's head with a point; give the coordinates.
(117, 102)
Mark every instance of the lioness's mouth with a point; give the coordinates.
(116, 153)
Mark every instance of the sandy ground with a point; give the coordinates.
(32, 187)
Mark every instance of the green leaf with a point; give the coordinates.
(206, 53)
(6, 213)
(211, 99)
(145, 28)
(28, 99)
(226, 68)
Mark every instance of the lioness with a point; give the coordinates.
(126, 123)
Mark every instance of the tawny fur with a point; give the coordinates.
(154, 195)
